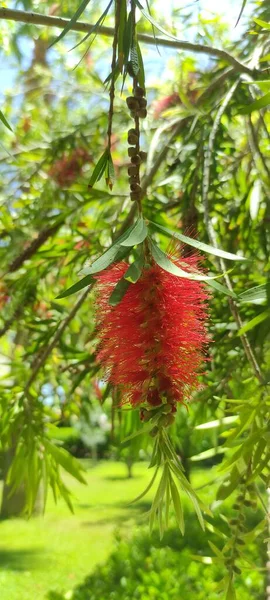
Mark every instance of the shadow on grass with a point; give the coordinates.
(21, 560)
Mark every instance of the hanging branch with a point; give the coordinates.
(113, 72)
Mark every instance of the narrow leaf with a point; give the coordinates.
(256, 105)
(141, 74)
(63, 458)
(165, 263)
(241, 12)
(254, 294)
(76, 287)
(254, 322)
(119, 291)
(109, 256)
(134, 271)
(177, 506)
(137, 235)
(147, 488)
(221, 288)
(217, 422)
(3, 119)
(99, 169)
(72, 21)
(262, 23)
(196, 244)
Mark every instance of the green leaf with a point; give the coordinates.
(262, 23)
(72, 21)
(228, 486)
(196, 244)
(141, 74)
(119, 291)
(221, 288)
(99, 168)
(216, 550)
(106, 259)
(121, 34)
(148, 487)
(254, 322)
(241, 12)
(94, 29)
(134, 270)
(65, 460)
(155, 23)
(165, 263)
(217, 422)
(137, 235)
(110, 173)
(177, 505)
(256, 105)
(134, 60)
(3, 119)
(208, 453)
(76, 287)
(254, 294)
(230, 592)
(265, 58)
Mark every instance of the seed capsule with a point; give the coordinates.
(135, 197)
(136, 160)
(139, 91)
(135, 187)
(132, 103)
(132, 151)
(133, 171)
(142, 102)
(142, 155)
(133, 139)
(142, 113)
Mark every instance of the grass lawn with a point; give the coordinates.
(57, 551)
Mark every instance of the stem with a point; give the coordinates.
(41, 361)
(59, 22)
(113, 67)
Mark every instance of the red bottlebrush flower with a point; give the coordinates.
(163, 103)
(151, 343)
(68, 168)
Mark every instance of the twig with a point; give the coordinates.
(212, 235)
(42, 359)
(33, 247)
(113, 67)
(256, 148)
(59, 22)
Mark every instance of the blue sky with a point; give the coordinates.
(208, 8)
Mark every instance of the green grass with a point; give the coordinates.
(56, 551)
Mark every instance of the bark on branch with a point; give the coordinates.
(49, 21)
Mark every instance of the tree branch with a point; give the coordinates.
(48, 21)
(42, 359)
(212, 234)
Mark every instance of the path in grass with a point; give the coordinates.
(57, 551)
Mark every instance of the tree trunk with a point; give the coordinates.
(129, 463)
